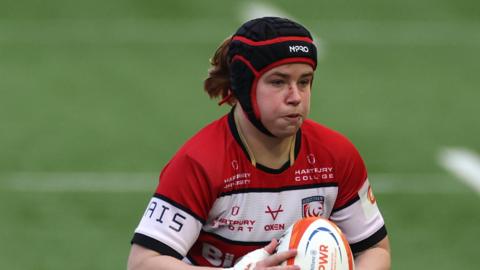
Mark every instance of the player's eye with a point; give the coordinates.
(277, 82)
(304, 82)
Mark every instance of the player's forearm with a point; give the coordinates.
(375, 258)
(141, 258)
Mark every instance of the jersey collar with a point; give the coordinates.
(234, 131)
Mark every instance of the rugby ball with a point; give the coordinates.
(319, 243)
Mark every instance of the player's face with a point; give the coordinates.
(283, 97)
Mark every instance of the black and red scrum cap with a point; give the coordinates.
(260, 45)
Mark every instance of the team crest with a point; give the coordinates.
(313, 206)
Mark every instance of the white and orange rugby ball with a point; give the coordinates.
(319, 243)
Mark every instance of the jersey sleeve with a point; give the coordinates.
(176, 213)
(356, 211)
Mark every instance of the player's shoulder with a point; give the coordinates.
(326, 137)
(333, 145)
(198, 158)
(207, 143)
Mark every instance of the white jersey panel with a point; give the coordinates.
(170, 225)
(261, 216)
(361, 219)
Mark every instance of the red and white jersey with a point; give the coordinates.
(212, 206)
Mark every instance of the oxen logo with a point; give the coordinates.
(274, 213)
(313, 206)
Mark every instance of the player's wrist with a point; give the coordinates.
(249, 261)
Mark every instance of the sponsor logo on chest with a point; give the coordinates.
(237, 180)
(316, 173)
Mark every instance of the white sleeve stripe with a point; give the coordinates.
(361, 219)
(179, 206)
(169, 225)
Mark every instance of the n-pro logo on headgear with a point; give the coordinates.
(297, 48)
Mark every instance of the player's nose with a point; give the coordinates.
(293, 96)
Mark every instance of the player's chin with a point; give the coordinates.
(286, 131)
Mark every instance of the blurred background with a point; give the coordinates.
(96, 96)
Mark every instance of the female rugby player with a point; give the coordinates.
(238, 184)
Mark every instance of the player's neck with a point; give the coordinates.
(269, 151)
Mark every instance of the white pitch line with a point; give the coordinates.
(78, 182)
(463, 163)
(414, 183)
(59, 182)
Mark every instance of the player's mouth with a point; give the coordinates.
(293, 117)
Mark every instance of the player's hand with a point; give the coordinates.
(264, 258)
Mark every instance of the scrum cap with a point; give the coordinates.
(260, 45)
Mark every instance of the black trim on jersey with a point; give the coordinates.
(352, 201)
(190, 212)
(234, 130)
(154, 244)
(238, 243)
(273, 171)
(280, 189)
(192, 261)
(370, 241)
